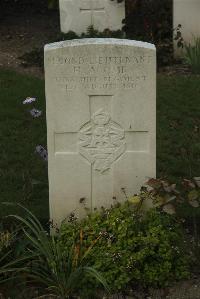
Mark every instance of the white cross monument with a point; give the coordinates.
(101, 120)
(78, 15)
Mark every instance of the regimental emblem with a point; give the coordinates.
(101, 141)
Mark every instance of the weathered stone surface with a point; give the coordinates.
(78, 15)
(101, 122)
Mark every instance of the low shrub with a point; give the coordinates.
(192, 55)
(133, 247)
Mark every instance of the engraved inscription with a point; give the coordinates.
(99, 72)
(101, 141)
(119, 81)
(100, 60)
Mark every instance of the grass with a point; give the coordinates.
(178, 137)
(20, 166)
(178, 126)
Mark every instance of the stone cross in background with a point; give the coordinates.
(78, 15)
(92, 9)
(101, 116)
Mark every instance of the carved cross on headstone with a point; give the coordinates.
(101, 142)
(101, 121)
(92, 7)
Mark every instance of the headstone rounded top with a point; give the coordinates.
(99, 41)
(101, 122)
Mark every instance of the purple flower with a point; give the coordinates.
(42, 152)
(29, 100)
(35, 113)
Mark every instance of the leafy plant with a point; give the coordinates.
(60, 270)
(182, 200)
(167, 197)
(134, 248)
(178, 36)
(5, 239)
(10, 264)
(192, 55)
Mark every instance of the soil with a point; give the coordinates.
(24, 26)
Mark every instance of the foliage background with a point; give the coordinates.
(151, 21)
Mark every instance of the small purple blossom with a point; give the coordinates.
(35, 113)
(29, 100)
(42, 152)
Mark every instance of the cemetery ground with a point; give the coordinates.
(23, 172)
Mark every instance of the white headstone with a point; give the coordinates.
(101, 122)
(187, 13)
(78, 15)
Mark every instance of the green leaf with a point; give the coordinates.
(197, 181)
(135, 199)
(192, 195)
(154, 183)
(159, 201)
(169, 209)
(194, 203)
